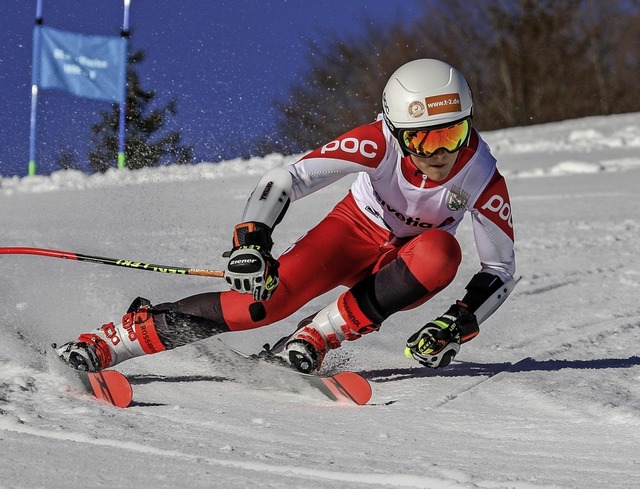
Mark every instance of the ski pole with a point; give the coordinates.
(68, 255)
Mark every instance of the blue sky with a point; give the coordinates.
(226, 62)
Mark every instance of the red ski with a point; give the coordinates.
(108, 386)
(342, 387)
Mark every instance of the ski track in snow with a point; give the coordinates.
(547, 396)
(285, 471)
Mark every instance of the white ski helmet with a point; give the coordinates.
(425, 93)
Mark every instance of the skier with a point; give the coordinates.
(421, 166)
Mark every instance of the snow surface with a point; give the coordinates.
(548, 396)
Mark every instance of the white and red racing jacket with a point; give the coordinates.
(393, 193)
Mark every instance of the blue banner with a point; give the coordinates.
(86, 66)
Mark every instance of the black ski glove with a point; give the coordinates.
(438, 342)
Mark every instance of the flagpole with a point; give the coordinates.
(123, 105)
(35, 69)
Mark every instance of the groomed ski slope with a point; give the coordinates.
(548, 396)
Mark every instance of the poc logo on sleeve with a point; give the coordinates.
(366, 148)
(498, 205)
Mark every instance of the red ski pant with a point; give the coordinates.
(345, 248)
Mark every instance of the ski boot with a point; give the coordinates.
(113, 343)
(341, 320)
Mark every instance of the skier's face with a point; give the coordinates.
(437, 166)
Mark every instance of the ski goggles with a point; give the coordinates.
(426, 141)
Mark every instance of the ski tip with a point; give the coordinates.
(112, 387)
(355, 386)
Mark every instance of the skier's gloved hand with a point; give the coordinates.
(438, 342)
(251, 269)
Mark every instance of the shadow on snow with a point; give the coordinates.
(470, 369)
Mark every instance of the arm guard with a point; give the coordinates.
(485, 293)
(270, 199)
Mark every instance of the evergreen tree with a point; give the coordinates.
(68, 157)
(145, 142)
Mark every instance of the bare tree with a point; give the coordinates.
(527, 61)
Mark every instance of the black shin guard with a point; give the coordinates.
(177, 329)
(388, 291)
(188, 320)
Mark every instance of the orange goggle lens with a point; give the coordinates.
(425, 142)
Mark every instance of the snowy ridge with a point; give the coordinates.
(546, 397)
(582, 136)
(76, 180)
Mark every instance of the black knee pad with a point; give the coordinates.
(388, 291)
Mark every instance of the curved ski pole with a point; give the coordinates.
(68, 255)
